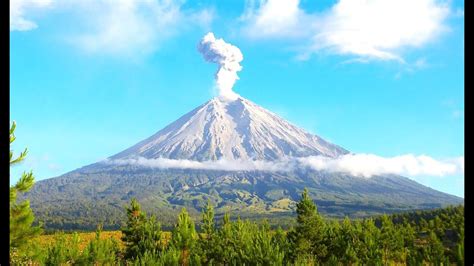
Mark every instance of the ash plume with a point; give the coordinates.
(228, 58)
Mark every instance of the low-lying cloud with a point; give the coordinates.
(367, 165)
(222, 164)
(361, 165)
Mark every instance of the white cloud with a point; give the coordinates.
(456, 111)
(274, 19)
(225, 165)
(116, 27)
(133, 27)
(376, 29)
(18, 10)
(367, 165)
(362, 165)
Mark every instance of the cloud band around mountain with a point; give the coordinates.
(361, 165)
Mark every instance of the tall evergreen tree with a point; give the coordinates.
(434, 252)
(21, 215)
(141, 234)
(371, 240)
(308, 236)
(184, 236)
(100, 251)
(347, 242)
(207, 241)
(208, 220)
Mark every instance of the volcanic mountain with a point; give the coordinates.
(237, 129)
(161, 173)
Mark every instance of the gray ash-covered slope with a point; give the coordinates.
(236, 130)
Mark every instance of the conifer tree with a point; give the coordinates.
(100, 251)
(263, 250)
(347, 243)
(434, 252)
(21, 215)
(308, 237)
(391, 240)
(208, 220)
(207, 239)
(141, 233)
(371, 240)
(184, 236)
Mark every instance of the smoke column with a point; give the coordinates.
(227, 57)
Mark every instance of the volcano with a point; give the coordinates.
(221, 130)
(237, 129)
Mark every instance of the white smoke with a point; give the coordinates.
(361, 165)
(228, 58)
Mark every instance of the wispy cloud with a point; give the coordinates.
(457, 113)
(223, 165)
(456, 110)
(275, 19)
(135, 27)
(129, 28)
(36, 161)
(372, 29)
(20, 8)
(362, 165)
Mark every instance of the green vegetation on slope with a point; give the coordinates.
(414, 238)
(98, 193)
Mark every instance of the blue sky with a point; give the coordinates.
(91, 78)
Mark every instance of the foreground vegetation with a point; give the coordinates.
(433, 237)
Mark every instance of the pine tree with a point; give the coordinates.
(207, 238)
(279, 239)
(21, 215)
(184, 236)
(141, 233)
(391, 240)
(223, 249)
(64, 251)
(434, 253)
(347, 242)
(308, 237)
(208, 220)
(100, 251)
(371, 239)
(263, 250)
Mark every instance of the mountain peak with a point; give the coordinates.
(231, 129)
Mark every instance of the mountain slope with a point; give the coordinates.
(238, 129)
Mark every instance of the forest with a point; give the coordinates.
(434, 237)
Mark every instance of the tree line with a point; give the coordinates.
(401, 239)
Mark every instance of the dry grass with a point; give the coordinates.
(86, 237)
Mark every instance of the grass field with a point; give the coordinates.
(86, 237)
